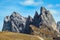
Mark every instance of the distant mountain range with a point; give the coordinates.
(42, 24)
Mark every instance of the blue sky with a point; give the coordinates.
(28, 7)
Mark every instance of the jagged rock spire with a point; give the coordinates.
(36, 15)
(15, 14)
(28, 29)
(42, 10)
(47, 19)
(36, 19)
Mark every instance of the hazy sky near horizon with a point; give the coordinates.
(28, 7)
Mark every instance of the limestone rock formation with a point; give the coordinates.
(7, 24)
(28, 29)
(36, 19)
(47, 19)
(44, 19)
(58, 25)
(14, 23)
(44, 22)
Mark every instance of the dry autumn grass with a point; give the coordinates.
(16, 36)
(38, 31)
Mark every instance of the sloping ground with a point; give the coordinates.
(16, 36)
(44, 32)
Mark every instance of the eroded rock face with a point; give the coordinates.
(47, 19)
(28, 29)
(58, 25)
(36, 19)
(14, 23)
(44, 19)
(7, 24)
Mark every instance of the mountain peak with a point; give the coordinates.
(15, 14)
(43, 9)
(7, 18)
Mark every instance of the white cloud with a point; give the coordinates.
(58, 5)
(49, 6)
(27, 2)
(31, 2)
(52, 6)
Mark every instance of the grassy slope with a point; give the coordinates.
(39, 31)
(16, 36)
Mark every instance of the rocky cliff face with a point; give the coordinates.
(14, 23)
(44, 19)
(47, 19)
(7, 24)
(28, 29)
(18, 23)
(58, 25)
(36, 19)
